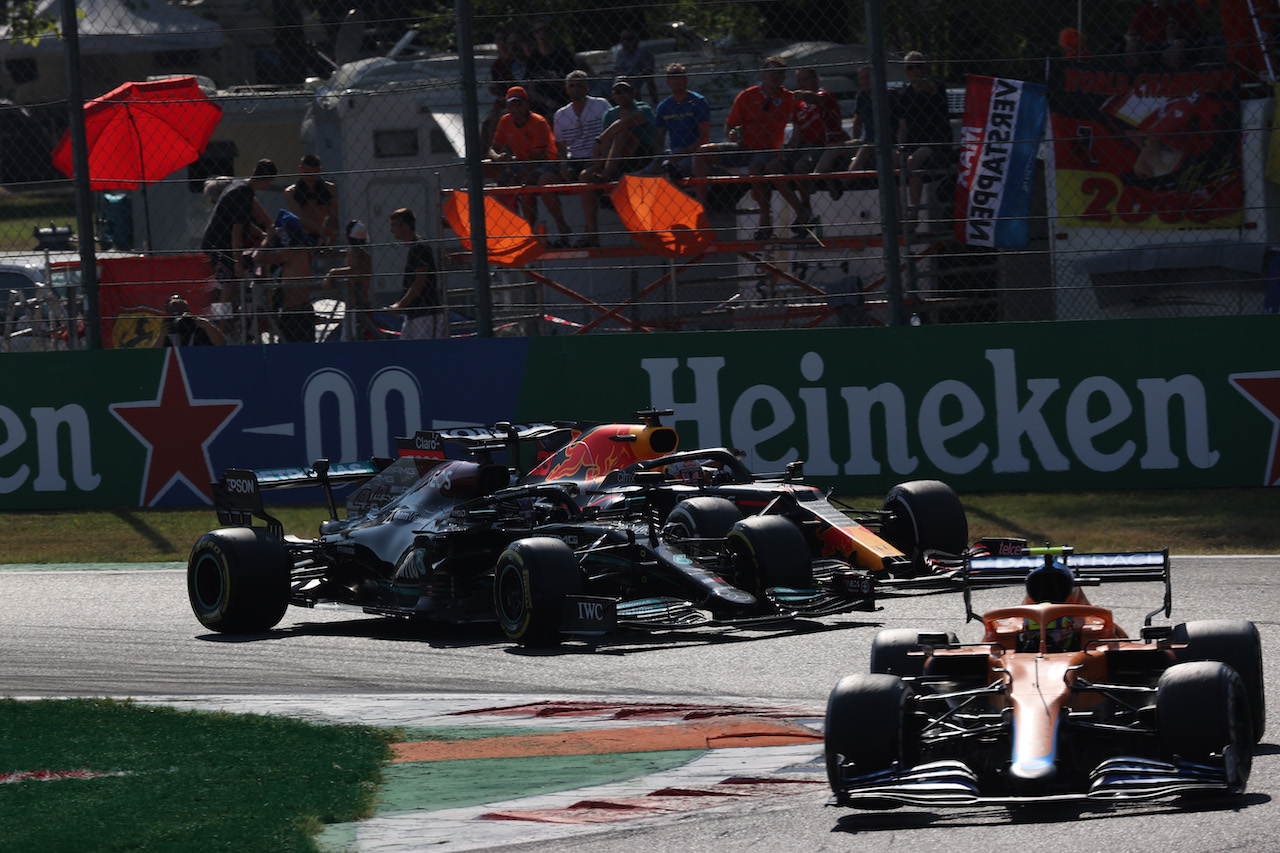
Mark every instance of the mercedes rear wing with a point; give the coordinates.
(237, 496)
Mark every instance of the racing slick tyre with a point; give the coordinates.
(238, 580)
(891, 652)
(704, 518)
(1202, 711)
(925, 515)
(864, 731)
(530, 583)
(1236, 643)
(767, 551)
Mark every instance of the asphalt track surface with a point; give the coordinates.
(131, 633)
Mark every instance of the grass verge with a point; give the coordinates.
(178, 780)
(1189, 521)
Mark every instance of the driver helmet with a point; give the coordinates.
(1060, 635)
(1052, 584)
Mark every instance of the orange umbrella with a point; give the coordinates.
(661, 218)
(510, 240)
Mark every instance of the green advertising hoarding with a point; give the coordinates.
(1043, 406)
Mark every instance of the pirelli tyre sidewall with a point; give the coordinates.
(769, 551)
(865, 729)
(238, 580)
(926, 515)
(1236, 643)
(1202, 716)
(531, 581)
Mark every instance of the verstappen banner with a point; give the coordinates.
(1003, 123)
(1146, 149)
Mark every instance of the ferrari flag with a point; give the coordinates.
(1151, 149)
(1003, 122)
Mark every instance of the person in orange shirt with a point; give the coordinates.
(755, 130)
(523, 149)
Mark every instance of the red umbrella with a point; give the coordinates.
(139, 133)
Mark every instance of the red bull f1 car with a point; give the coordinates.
(1056, 702)
(611, 526)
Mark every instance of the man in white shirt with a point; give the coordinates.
(576, 126)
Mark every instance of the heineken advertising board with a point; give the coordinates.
(1044, 406)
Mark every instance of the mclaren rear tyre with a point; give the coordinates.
(768, 551)
(238, 580)
(1202, 716)
(1236, 643)
(925, 515)
(865, 728)
(532, 579)
(703, 518)
(891, 652)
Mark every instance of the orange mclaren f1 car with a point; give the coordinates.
(1056, 702)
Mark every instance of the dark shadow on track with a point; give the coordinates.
(624, 642)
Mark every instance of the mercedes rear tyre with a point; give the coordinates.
(531, 582)
(1236, 643)
(924, 515)
(238, 580)
(864, 730)
(1202, 716)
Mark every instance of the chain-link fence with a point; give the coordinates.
(666, 166)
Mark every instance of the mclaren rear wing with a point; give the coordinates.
(1089, 569)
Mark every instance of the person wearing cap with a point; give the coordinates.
(577, 124)
(357, 272)
(523, 149)
(682, 125)
(755, 129)
(924, 135)
(626, 142)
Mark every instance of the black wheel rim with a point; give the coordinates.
(510, 596)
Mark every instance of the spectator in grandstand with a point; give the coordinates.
(626, 142)
(237, 224)
(284, 268)
(181, 328)
(1163, 31)
(523, 149)
(357, 272)
(549, 64)
(816, 128)
(924, 136)
(315, 202)
(507, 70)
(577, 124)
(862, 145)
(420, 302)
(755, 130)
(634, 62)
(683, 125)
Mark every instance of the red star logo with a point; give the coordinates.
(1263, 390)
(176, 430)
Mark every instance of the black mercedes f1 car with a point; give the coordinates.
(611, 527)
